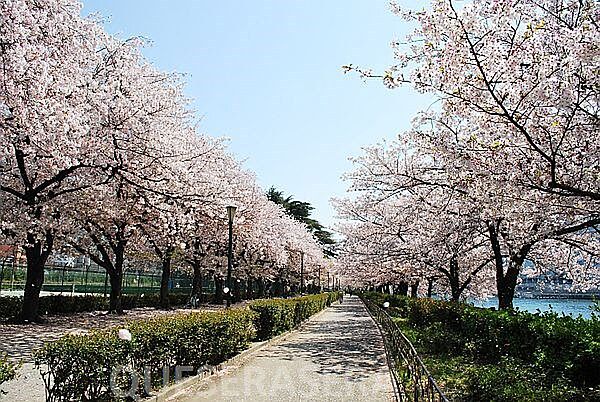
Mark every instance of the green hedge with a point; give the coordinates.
(275, 316)
(66, 304)
(79, 367)
(8, 369)
(562, 349)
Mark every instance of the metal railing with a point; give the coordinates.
(413, 381)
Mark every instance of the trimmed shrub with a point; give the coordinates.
(10, 306)
(275, 316)
(79, 367)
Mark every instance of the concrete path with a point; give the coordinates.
(338, 356)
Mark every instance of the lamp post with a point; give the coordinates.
(230, 215)
(301, 272)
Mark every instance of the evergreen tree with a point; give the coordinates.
(301, 211)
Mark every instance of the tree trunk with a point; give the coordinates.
(116, 276)
(249, 288)
(237, 290)
(261, 288)
(506, 286)
(277, 288)
(454, 281)
(196, 282)
(116, 286)
(506, 282)
(430, 282)
(403, 289)
(37, 254)
(218, 290)
(413, 289)
(164, 280)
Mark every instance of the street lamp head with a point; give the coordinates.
(231, 212)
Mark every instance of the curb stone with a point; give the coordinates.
(174, 389)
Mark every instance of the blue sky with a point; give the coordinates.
(267, 74)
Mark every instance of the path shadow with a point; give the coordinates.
(346, 344)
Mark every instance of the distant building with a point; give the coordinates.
(550, 285)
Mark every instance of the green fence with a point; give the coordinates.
(93, 279)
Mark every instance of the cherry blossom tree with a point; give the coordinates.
(104, 222)
(54, 140)
(517, 217)
(516, 126)
(523, 72)
(147, 105)
(414, 217)
(99, 150)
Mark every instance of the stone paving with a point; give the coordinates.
(338, 356)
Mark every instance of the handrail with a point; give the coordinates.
(417, 383)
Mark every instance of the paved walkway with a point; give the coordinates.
(338, 356)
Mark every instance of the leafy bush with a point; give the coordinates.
(79, 367)
(563, 351)
(275, 316)
(8, 369)
(511, 380)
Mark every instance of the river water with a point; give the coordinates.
(571, 307)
